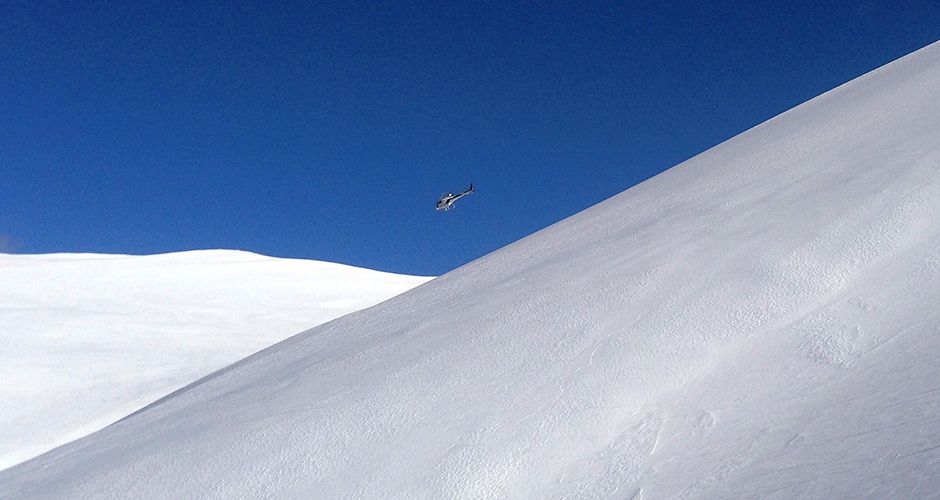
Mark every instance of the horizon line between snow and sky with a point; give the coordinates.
(328, 131)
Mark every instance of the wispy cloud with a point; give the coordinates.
(8, 244)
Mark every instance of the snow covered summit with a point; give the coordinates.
(760, 321)
(88, 338)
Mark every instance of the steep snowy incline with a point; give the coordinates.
(86, 339)
(757, 322)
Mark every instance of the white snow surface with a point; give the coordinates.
(86, 339)
(760, 321)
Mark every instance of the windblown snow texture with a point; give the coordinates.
(87, 338)
(760, 321)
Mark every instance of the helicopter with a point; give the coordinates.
(446, 201)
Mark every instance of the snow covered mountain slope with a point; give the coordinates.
(86, 339)
(760, 321)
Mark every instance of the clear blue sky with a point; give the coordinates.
(327, 130)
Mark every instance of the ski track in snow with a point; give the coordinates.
(757, 322)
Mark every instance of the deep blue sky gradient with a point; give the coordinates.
(327, 130)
